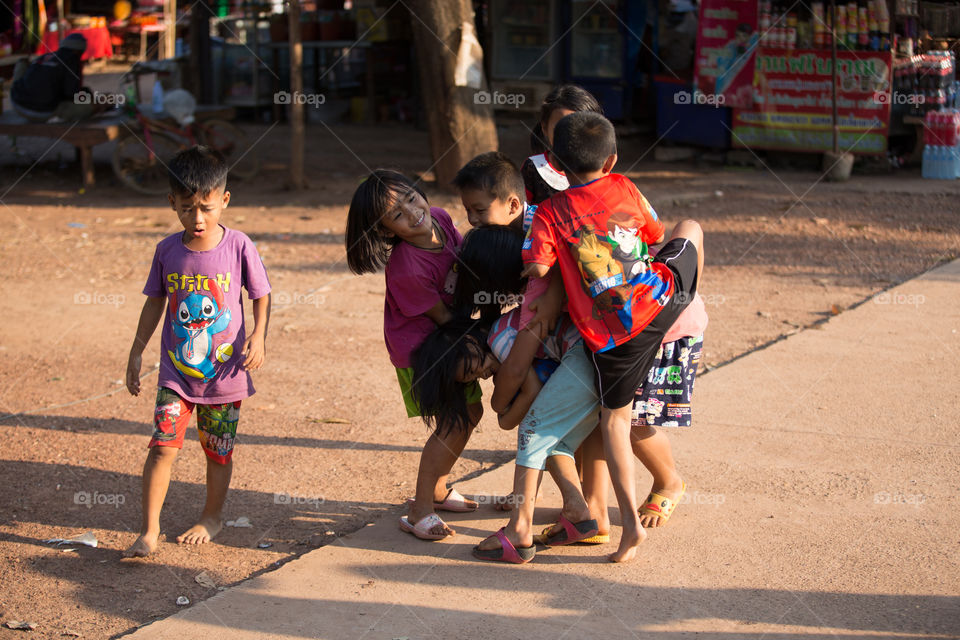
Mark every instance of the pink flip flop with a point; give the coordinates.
(572, 532)
(453, 502)
(423, 527)
(507, 552)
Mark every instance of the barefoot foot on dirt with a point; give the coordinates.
(201, 532)
(629, 542)
(142, 546)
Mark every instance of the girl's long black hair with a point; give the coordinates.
(488, 272)
(367, 248)
(451, 348)
(564, 96)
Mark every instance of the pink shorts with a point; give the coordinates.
(216, 424)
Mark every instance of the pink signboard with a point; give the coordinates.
(726, 46)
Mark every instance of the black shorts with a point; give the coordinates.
(620, 371)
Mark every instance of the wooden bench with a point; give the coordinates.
(84, 135)
(87, 134)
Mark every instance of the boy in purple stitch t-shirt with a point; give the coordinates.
(205, 355)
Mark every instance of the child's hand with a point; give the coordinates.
(133, 374)
(254, 352)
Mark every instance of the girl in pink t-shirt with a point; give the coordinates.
(390, 225)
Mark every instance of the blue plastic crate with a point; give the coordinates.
(685, 122)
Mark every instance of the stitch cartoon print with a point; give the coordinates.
(198, 316)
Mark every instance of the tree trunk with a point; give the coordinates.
(170, 21)
(297, 129)
(461, 125)
(201, 62)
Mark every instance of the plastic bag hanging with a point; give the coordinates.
(469, 69)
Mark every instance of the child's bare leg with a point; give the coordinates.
(156, 480)
(652, 447)
(615, 426)
(692, 231)
(439, 455)
(563, 469)
(211, 520)
(596, 480)
(519, 529)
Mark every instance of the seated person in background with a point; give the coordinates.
(50, 86)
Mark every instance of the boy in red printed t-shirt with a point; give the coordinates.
(622, 302)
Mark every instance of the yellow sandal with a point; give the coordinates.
(660, 505)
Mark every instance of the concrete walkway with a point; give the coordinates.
(823, 477)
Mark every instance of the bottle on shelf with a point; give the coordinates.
(926, 170)
(819, 26)
(883, 18)
(873, 25)
(863, 29)
(840, 19)
(853, 22)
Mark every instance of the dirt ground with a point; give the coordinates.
(324, 445)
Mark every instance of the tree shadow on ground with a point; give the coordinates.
(118, 426)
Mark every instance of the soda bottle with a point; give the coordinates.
(863, 30)
(840, 19)
(791, 31)
(819, 25)
(853, 22)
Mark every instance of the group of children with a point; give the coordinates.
(600, 351)
(594, 378)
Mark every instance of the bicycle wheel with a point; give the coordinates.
(233, 144)
(143, 170)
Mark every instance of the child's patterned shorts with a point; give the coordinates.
(663, 400)
(216, 424)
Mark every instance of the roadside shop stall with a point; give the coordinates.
(765, 68)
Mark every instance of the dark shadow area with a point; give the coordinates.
(130, 427)
(588, 607)
(572, 602)
(83, 494)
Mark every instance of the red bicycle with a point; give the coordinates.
(140, 158)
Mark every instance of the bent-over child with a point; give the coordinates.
(555, 404)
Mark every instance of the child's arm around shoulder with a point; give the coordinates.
(513, 371)
(539, 247)
(521, 404)
(150, 315)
